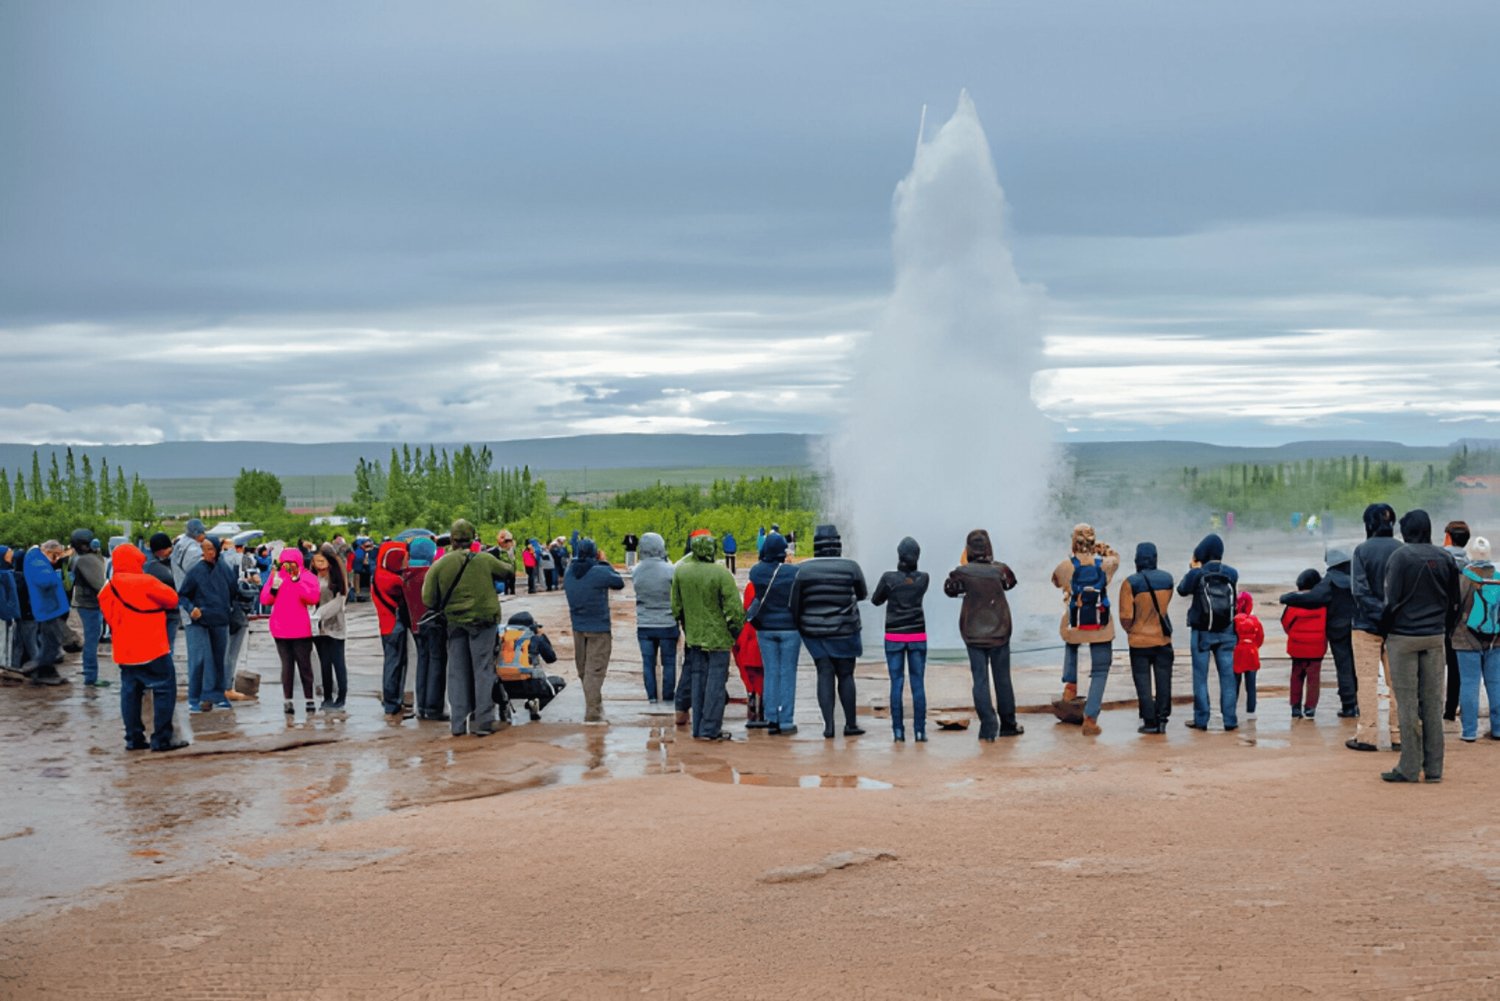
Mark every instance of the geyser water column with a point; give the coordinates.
(940, 434)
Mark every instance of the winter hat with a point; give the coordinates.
(1308, 579)
(1083, 539)
(160, 541)
(826, 541)
(1335, 556)
(194, 529)
(82, 540)
(461, 533)
(1478, 550)
(421, 551)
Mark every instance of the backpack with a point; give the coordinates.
(1213, 601)
(515, 654)
(1088, 608)
(1484, 615)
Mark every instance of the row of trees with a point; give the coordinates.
(434, 488)
(69, 495)
(766, 492)
(1266, 494)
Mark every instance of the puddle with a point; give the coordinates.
(728, 775)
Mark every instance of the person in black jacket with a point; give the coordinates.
(160, 567)
(905, 636)
(1333, 593)
(1367, 585)
(984, 621)
(206, 598)
(825, 609)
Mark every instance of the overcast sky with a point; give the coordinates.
(439, 220)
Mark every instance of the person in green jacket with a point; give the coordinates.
(707, 603)
(461, 585)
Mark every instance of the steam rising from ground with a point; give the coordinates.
(942, 435)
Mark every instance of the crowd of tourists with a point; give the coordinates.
(1427, 615)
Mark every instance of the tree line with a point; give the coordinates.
(39, 505)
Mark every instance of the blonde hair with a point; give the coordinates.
(1083, 538)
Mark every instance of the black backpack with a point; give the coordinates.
(1213, 600)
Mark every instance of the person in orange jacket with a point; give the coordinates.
(136, 606)
(1250, 634)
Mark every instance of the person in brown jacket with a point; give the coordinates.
(984, 622)
(1144, 598)
(1084, 580)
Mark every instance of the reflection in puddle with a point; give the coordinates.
(733, 776)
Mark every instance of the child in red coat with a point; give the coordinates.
(1251, 634)
(1306, 642)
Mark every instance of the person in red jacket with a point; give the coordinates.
(136, 606)
(394, 622)
(1306, 643)
(1250, 634)
(752, 669)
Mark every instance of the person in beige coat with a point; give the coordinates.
(1087, 618)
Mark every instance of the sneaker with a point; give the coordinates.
(311, 707)
(287, 708)
(1395, 777)
(99, 683)
(226, 704)
(1019, 729)
(1308, 713)
(1296, 712)
(787, 731)
(599, 721)
(175, 745)
(853, 731)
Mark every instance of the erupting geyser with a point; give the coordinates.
(941, 434)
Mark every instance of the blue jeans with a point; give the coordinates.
(1246, 681)
(914, 653)
(393, 671)
(1219, 646)
(707, 672)
(93, 628)
(160, 679)
(207, 646)
(779, 650)
(172, 625)
(1475, 666)
(1099, 657)
(666, 646)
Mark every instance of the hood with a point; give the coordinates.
(585, 558)
(1416, 526)
(907, 554)
(82, 540)
(391, 557)
(128, 559)
(3, 551)
(194, 529)
(705, 547)
(1380, 519)
(1308, 579)
(1244, 603)
(1145, 556)
(826, 541)
(420, 552)
(1210, 549)
(524, 621)
(292, 555)
(773, 549)
(1083, 540)
(1336, 557)
(652, 547)
(977, 547)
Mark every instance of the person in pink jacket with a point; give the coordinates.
(291, 592)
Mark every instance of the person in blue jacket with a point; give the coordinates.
(49, 606)
(588, 582)
(730, 547)
(10, 610)
(206, 597)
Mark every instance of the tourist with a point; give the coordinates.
(752, 668)
(187, 550)
(630, 544)
(770, 611)
(461, 589)
(1421, 600)
(825, 608)
(588, 582)
(159, 566)
(901, 590)
(1211, 584)
(1084, 580)
(290, 592)
(524, 647)
(1250, 635)
(137, 607)
(505, 552)
(561, 557)
(1306, 641)
(364, 567)
(328, 638)
(391, 619)
(655, 627)
(730, 547)
(241, 599)
(89, 575)
(1145, 597)
(707, 603)
(430, 636)
(984, 622)
(10, 612)
(1476, 638)
(1455, 541)
(548, 566)
(1333, 594)
(529, 564)
(1367, 585)
(205, 596)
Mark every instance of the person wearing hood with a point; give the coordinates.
(89, 575)
(1250, 635)
(290, 591)
(1455, 540)
(984, 622)
(1145, 597)
(1478, 646)
(547, 565)
(137, 605)
(431, 638)
(524, 648)
(770, 591)
(529, 564)
(10, 612)
(391, 617)
(205, 596)
(461, 588)
(587, 583)
(655, 628)
(49, 607)
(825, 606)
(1421, 607)
(1212, 585)
(901, 591)
(1367, 586)
(1084, 580)
(1332, 593)
(707, 604)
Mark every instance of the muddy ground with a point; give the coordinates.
(354, 858)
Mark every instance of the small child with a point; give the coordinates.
(1251, 634)
(1306, 643)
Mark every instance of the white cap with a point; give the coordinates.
(1478, 549)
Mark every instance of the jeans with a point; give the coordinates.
(432, 672)
(205, 675)
(27, 643)
(49, 642)
(1148, 664)
(160, 679)
(393, 669)
(836, 671)
(93, 628)
(707, 673)
(1342, 649)
(666, 647)
(986, 662)
(1220, 647)
(232, 655)
(914, 653)
(1099, 657)
(1417, 671)
(471, 678)
(1475, 666)
(172, 626)
(1246, 681)
(334, 669)
(779, 649)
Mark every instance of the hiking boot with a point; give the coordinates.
(288, 708)
(175, 745)
(853, 731)
(1296, 712)
(1014, 731)
(1070, 692)
(683, 719)
(1395, 777)
(1148, 728)
(1091, 726)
